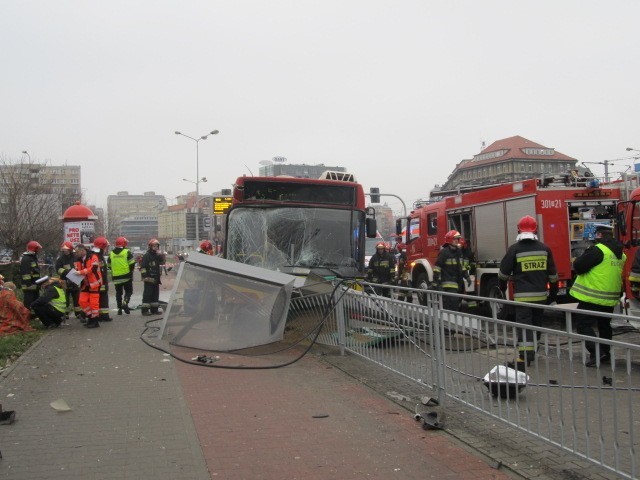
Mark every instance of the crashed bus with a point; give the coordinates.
(299, 225)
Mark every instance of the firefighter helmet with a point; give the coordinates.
(33, 246)
(101, 242)
(451, 235)
(121, 242)
(381, 245)
(154, 241)
(527, 224)
(66, 246)
(206, 247)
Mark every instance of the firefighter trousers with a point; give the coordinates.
(531, 316)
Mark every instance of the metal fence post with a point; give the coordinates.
(437, 330)
(341, 323)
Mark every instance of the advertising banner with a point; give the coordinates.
(79, 232)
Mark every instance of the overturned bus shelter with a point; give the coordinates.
(220, 305)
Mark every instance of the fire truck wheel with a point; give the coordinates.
(493, 291)
(423, 284)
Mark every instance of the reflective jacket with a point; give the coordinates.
(30, 271)
(122, 264)
(449, 270)
(150, 266)
(55, 296)
(530, 263)
(64, 263)
(89, 266)
(382, 268)
(601, 284)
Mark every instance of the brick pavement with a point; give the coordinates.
(138, 414)
(261, 424)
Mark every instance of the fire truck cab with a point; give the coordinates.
(566, 214)
(628, 230)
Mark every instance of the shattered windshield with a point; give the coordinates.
(283, 238)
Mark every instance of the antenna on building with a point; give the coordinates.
(483, 145)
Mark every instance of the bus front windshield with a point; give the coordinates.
(283, 238)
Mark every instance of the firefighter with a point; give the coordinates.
(122, 265)
(51, 306)
(63, 265)
(100, 247)
(88, 265)
(205, 247)
(403, 277)
(469, 265)
(598, 287)
(150, 270)
(530, 263)
(30, 272)
(449, 271)
(382, 269)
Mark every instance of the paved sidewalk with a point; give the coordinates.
(127, 419)
(136, 413)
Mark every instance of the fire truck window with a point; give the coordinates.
(432, 221)
(635, 222)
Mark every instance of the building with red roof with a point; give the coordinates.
(507, 160)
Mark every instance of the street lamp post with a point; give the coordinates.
(198, 180)
(631, 149)
(24, 152)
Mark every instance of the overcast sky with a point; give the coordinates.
(397, 92)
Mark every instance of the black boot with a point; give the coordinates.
(125, 307)
(120, 311)
(92, 323)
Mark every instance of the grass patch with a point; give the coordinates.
(14, 345)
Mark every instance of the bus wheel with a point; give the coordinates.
(493, 291)
(423, 284)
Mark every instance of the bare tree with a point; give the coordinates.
(31, 206)
(112, 227)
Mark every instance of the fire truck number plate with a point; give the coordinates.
(551, 203)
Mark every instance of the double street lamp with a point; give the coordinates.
(198, 179)
(24, 152)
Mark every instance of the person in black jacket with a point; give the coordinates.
(30, 272)
(150, 271)
(63, 265)
(382, 269)
(51, 306)
(530, 263)
(449, 271)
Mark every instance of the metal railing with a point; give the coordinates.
(590, 412)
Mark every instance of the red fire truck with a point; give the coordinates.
(566, 213)
(628, 230)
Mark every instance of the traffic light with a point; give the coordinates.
(374, 194)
